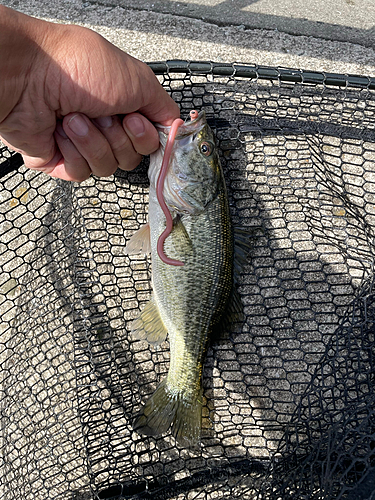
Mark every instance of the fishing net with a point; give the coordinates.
(289, 402)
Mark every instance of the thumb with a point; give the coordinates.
(38, 150)
(156, 104)
(42, 164)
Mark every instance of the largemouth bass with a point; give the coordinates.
(191, 300)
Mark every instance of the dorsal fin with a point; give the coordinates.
(234, 308)
(242, 248)
(233, 314)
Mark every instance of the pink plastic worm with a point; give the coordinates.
(159, 194)
(159, 190)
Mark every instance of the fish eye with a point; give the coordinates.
(206, 148)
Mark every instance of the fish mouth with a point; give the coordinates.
(188, 128)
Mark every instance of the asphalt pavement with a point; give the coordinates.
(316, 35)
(342, 20)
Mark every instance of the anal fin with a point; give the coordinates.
(149, 325)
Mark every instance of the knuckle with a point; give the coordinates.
(121, 143)
(130, 162)
(99, 153)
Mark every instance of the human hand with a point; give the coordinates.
(63, 99)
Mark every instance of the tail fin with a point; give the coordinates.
(164, 409)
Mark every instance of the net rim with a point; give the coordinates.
(255, 71)
(239, 70)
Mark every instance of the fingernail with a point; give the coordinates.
(78, 125)
(135, 126)
(60, 131)
(104, 121)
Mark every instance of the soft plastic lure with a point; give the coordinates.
(159, 190)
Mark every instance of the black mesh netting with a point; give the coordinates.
(288, 399)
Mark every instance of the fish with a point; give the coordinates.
(190, 301)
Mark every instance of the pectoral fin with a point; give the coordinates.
(149, 326)
(139, 242)
(181, 235)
